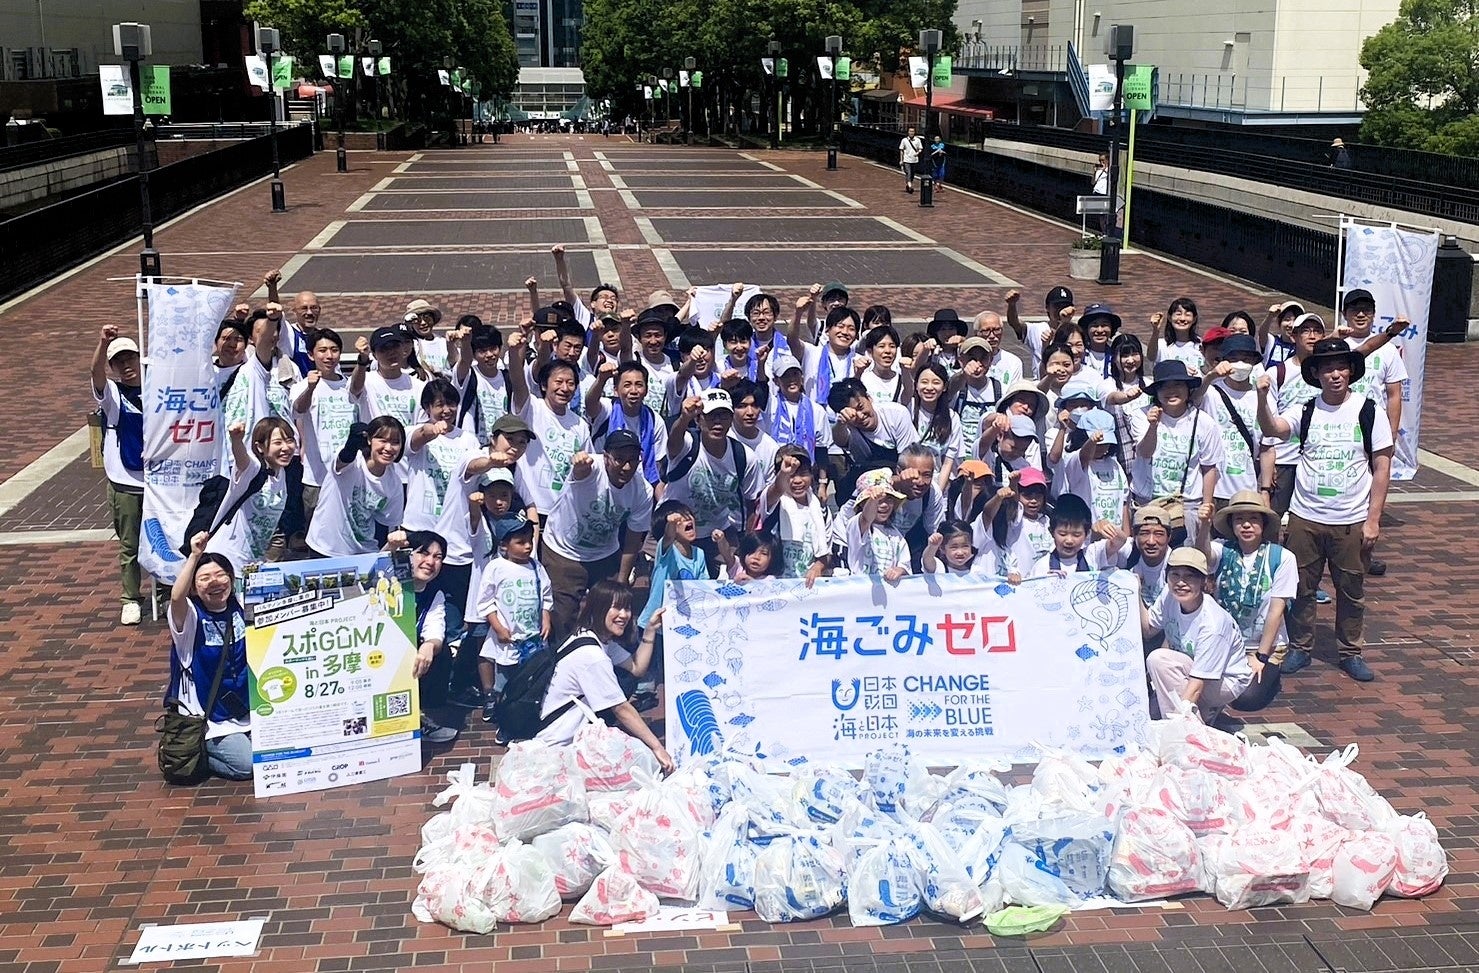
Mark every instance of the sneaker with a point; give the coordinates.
(1227, 723)
(1296, 660)
(469, 697)
(1377, 567)
(489, 709)
(132, 614)
(499, 740)
(909, 189)
(1322, 597)
(434, 732)
(1357, 669)
(644, 701)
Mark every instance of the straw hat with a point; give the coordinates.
(1246, 502)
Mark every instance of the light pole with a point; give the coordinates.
(667, 87)
(1120, 47)
(449, 64)
(929, 41)
(336, 51)
(775, 81)
(651, 101)
(269, 42)
(376, 48)
(689, 64)
(133, 43)
(834, 48)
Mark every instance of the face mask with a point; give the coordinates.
(1240, 371)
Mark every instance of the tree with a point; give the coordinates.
(1423, 88)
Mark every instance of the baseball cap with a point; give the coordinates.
(716, 399)
(834, 287)
(384, 337)
(510, 423)
(498, 474)
(1030, 476)
(1294, 306)
(1059, 296)
(1215, 334)
(1308, 321)
(1097, 420)
(1188, 557)
(973, 344)
(880, 479)
(622, 439)
(1358, 296)
(506, 527)
(1079, 389)
(550, 316)
(974, 468)
(782, 362)
(1023, 426)
(120, 345)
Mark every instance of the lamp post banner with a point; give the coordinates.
(956, 667)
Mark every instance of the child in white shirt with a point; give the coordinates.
(515, 598)
(874, 544)
(951, 550)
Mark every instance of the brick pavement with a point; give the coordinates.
(92, 845)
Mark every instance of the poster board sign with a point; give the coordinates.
(709, 302)
(330, 647)
(118, 89)
(957, 668)
(155, 90)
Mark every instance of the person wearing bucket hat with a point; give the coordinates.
(1183, 450)
(1095, 473)
(431, 349)
(1255, 580)
(1202, 662)
(1343, 468)
(1230, 400)
(874, 545)
(1100, 324)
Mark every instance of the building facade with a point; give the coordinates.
(546, 32)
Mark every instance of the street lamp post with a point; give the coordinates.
(269, 42)
(834, 48)
(133, 43)
(689, 64)
(1120, 47)
(667, 88)
(775, 81)
(449, 64)
(376, 48)
(930, 41)
(337, 46)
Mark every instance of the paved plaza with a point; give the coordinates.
(93, 846)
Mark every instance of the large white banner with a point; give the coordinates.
(1396, 266)
(182, 415)
(118, 89)
(957, 668)
(919, 72)
(709, 302)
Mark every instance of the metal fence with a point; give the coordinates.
(35, 153)
(1281, 256)
(41, 243)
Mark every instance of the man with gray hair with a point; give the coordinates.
(1003, 366)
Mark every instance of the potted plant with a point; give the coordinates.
(1083, 257)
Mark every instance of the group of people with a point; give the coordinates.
(549, 476)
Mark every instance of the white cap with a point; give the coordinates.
(782, 362)
(119, 345)
(498, 474)
(716, 399)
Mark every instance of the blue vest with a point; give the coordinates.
(210, 627)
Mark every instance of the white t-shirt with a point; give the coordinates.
(882, 389)
(1189, 352)
(1026, 541)
(546, 464)
(1239, 468)
(1152, 576)
(929, 507)
(659, 379)
(432, 625)
(895, 430)
(1384, 367)
(840, 367)
(909, 148)
(435, 498)
(1245, 594)
(659, 444)
(1102, 485)
(254, 395)
(1176, 466)
(712, 487)
(112, 403)
(973, 406)
(678, 390)
(1038, 333)
(492, 400)
(518, 594)
(244, 539)
(587, 673)
(585, 522)
(1097, 557)
(778, 409)
(953, 446)
(883, 548)
(1006, 368)
(433, 354)
(183, 638)
(1288, 395)
(1210, 636)
(802, 531)
(323, 429)
(1332, 484)
(399, 397)
(350, 503)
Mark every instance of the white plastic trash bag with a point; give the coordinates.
(516, 885)
(727, 873)
(767, 798)
(973, 829)
(861, 828)
(1345, 796)
(1066, 783)
(1203, 801)
(442, 896)
(824, 792)
(947, 889)
(798, 877)
(1364, 866)
(606, 757)
(576, 853)
(1319, 839)
(1069, 854)
(1422, 865)
(658, 842)
(614, 897)
(466, 844)
(881, 887)
(1155, 856)
(1189, 743)
(978, 780)
(1127, 779)
(1260, 866)
(889, 773)
(536, 791)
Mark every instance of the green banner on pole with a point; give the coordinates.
(1139, 92)
(696, 79)
(844, 69)
(782, 68)
(384, 66)
(154, 89)
(282, 73)
(941, 78)
(345, 66)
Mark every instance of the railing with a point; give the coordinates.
(980, 56)
(1283, 257)
(1233, 92)
(34, 153)
(217, 130)
(39, 244)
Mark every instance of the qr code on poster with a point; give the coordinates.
(398, 704)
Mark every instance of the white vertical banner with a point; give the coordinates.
(118, 89)
(824, 67)
(256, 69)
(919, 72)
(182, 415)
(1396, 266)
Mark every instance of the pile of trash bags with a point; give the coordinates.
(1201, 811)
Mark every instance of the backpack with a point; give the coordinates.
(208, 515)
(523, 695)
(1367, 420)
(679, 470)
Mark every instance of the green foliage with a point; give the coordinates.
(1423, 87)
(626, 40)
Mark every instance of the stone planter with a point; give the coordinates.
(1083, 264)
